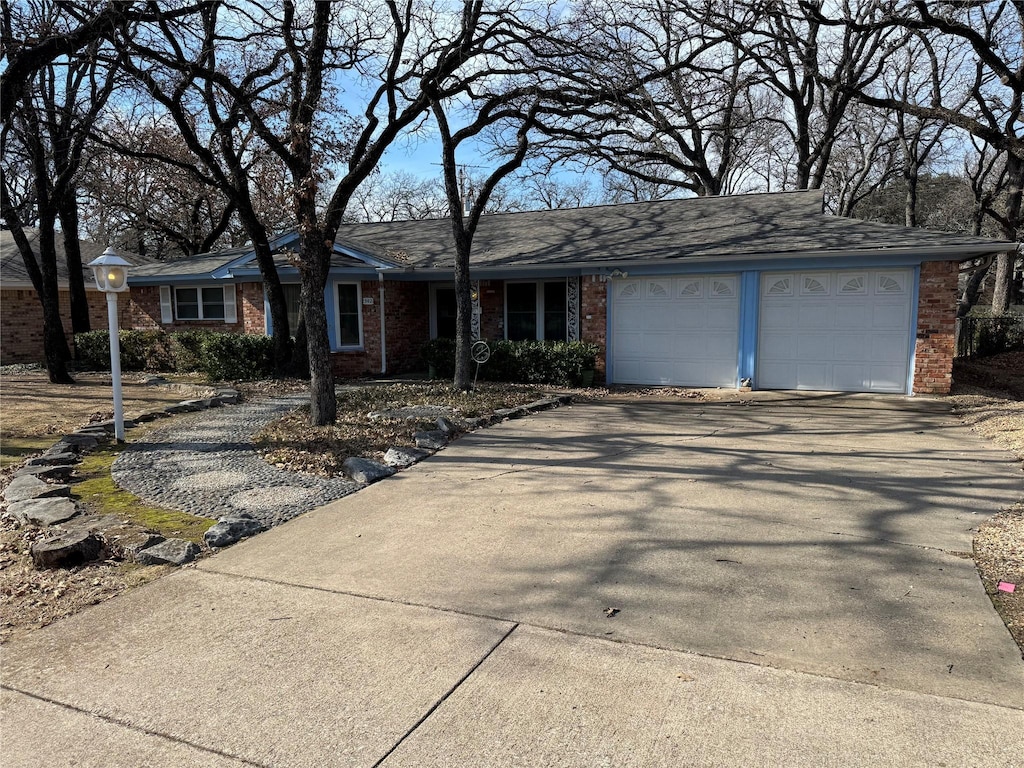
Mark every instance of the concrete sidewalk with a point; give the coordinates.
(787, 575)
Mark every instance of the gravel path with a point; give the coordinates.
(205, 464)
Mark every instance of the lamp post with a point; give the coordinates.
(111, 273)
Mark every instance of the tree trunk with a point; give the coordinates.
(283, 348)
(910, 201)
(1001, 292)
(68, 214)
(463, 314)
(972, 289)
(55, 343)
(323, 403)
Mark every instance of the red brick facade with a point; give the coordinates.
(492, 309)
(594, 319)
(21, 322)
(407, 318)
(936, 328)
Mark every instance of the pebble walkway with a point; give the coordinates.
(205, 464)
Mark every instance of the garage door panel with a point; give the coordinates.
(852, 314)
(689, 347)
(889, 316)
(628, 318)
(813, 346)
(857, 339)
(888, 348)
(777, 347)
(680, 330)
(722, 315)
(851, 347)
(781, 315)
(888, 378)
(776, 375)
(688, 316)
(814, 315)
(658, 321)
(812, 375)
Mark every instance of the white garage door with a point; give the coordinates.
(675, 330)
(842, 331)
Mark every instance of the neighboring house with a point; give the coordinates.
(21, 314)
(701, 292)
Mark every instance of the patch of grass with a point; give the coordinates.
(14, 450)
(97, 491)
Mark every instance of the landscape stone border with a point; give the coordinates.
(39, 492)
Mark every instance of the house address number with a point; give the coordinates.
(367, 300)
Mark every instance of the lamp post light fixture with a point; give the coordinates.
(111, 273)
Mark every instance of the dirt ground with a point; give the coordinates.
(34, 412)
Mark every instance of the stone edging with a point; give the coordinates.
(39, 494)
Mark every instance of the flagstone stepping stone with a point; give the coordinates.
(43, 511)
(66, 550)
(31, 487)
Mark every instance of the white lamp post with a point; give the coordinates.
(111, 273)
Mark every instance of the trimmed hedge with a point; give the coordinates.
(220, 356)
(561, 363)
(140, 350)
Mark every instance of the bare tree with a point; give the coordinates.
(988, 105)
(145, 205)
(397, 196)
(48, 129)
(661, 95)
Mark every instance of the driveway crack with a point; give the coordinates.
(131, 727)
(445, 697)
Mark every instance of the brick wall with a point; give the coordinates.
(936, 328)
(594, 318)
(21, 322)
(407, 315)
(251, 308)
(492, 307)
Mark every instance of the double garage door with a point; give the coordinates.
(843, 330)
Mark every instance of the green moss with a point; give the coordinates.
(13, 450)
(97, 490)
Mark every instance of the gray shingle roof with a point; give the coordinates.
(744, 225)
(12, 266)
(766, 225)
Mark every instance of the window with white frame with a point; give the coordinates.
(349, 320)
(197, 302)
(536, 311)
(291, 303)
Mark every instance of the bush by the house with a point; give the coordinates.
(220, 356)
(237, 356)
(561, 363)
(140, 350)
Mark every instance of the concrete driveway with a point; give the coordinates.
(789, 577)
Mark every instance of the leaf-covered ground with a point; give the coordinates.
(292, 444)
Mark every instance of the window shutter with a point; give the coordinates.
(166, 310)
(230, 314)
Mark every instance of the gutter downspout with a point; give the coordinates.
(383, 325)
